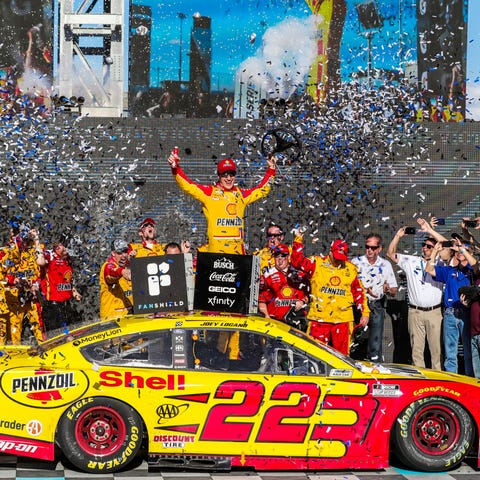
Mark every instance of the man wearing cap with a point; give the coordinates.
(335, 289)
(116, 282)
(224, 203)
(149, 246)
(57, 286)
(282, 287)
(456, 316)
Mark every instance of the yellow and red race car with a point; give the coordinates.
(216, 391)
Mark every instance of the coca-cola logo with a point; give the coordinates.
(228, 277)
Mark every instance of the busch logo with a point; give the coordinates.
(224, 263)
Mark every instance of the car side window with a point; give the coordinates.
(240, 351)
(145, 349)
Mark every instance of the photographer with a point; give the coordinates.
(456, 316)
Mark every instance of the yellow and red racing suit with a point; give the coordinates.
(224, 209)
(115, 290)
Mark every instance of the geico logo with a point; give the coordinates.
(111, 378)
(219, 289)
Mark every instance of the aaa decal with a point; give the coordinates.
(43, 388)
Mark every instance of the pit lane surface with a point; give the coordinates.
(11, 468)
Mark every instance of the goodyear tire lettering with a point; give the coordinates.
(419, 448)
(82, 450)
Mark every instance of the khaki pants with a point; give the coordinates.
(425, 325)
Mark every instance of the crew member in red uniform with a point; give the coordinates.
(283, 290)
(224, 203)
(57, 287)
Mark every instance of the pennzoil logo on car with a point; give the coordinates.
(43, 388)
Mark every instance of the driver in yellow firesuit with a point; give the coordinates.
(224, 203)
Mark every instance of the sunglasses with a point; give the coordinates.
(427, 245)
(274, 235)
(372, 247)
(228, 174)
(283, 255)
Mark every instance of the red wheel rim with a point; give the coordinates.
(435, 430)
(100, 431)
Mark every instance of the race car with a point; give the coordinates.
(218, 391)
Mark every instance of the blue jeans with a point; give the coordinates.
(375, 328)
(476, 355)
(456, 323)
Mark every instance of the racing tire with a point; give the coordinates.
(100, 434)
(433, 434)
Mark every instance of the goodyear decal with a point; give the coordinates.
(43, 388)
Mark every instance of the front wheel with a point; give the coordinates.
(433, 434)
(100, 434)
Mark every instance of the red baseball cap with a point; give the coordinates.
(339, 249)
(281, 248)
(147, 221)
(226, 165)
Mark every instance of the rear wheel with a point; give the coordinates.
(433, 434)
(100, 434)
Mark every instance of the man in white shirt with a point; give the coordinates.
(376, 274)
(425, 301)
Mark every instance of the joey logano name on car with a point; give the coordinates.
(43, 388)
(112, 378)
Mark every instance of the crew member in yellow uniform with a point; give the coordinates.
(149, 245)
(335, 289)
(22, 290)
(224, 203)
(116, 283)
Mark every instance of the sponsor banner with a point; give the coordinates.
(227, 283)
(162, 283)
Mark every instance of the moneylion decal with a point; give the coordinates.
(43, 388)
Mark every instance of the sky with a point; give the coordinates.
(239, 27)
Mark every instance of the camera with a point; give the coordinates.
(410, 230)
(470, 223)
(440, 221)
